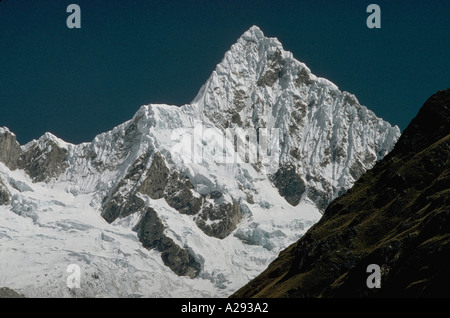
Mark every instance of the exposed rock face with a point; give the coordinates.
(123, 202)
(10, 149)
(274, 69)
(43, 159)
(215, 220)
(157, 178)
(179, 195)
(290, 184)
(156, 184)
(5, 196)
(219, 220)
(397, 216)
(151, 233)
(6, 292)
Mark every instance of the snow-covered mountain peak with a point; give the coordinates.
(255, 37)
(255, 69)
(49, 137)
(4, 130)
(210, 190)
(252, 34)
(259, 85)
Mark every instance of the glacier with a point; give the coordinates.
(142, 217)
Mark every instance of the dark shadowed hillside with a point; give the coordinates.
(397, 215)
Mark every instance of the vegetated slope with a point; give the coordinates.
(397, 215)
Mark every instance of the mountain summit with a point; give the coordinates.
(327, 139)
(188, 200)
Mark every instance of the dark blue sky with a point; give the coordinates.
(77, 83)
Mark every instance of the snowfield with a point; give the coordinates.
(43, 232)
